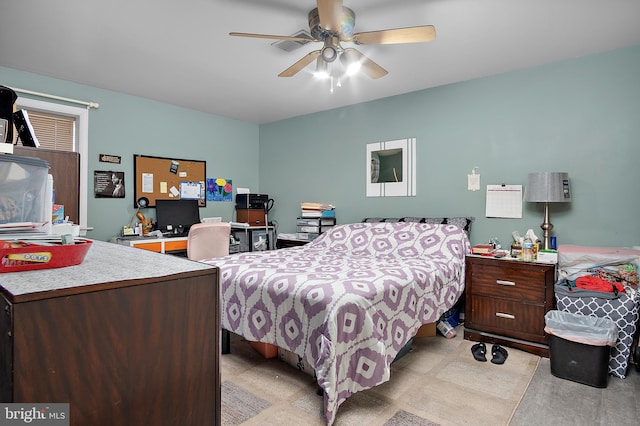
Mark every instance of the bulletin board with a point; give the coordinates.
(161, 178)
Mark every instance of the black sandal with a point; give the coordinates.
(499, 354)
(479, 351)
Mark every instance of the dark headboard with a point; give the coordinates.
(462, 222)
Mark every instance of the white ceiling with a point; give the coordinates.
(179, 51)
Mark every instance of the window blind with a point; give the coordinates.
(53, 131)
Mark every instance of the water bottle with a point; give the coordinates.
(446, 329)
(527, 249)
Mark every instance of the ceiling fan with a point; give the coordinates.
(332, 23)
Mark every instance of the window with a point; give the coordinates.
(80, 139)
(54, 131)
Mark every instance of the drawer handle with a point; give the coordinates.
(502, 282)
(507, 316)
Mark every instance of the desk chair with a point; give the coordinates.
(207, 240)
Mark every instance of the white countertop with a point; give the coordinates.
(104, 262)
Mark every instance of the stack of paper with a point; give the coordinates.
(22, 228)
(317, 210)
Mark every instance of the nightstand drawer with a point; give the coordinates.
(509, 282)
(509, 318)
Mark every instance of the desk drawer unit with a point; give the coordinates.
(175, 245)
(156, 247)
(506, 301)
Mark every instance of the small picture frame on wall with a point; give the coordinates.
(108, 184)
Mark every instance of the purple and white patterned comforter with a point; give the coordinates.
(348, 301)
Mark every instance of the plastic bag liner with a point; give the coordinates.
(581, 328)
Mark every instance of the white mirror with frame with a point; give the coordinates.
(391, 168)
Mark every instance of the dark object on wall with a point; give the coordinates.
(106, 158)
(108, 184)
(7, 99)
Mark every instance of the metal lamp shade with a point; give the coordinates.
(551, 187)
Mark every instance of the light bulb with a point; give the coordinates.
(322, 71)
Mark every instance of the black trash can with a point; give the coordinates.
(579, 347)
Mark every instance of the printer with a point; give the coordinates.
(252, 209)
(251, 201)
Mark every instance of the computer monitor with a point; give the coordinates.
(171, 215)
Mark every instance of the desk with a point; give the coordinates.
(172, 245)
(128, 337)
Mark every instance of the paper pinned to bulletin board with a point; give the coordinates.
(504, 201)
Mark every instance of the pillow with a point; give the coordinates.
(463, 223)
(414, 219)
(434, 220)
(373, 219)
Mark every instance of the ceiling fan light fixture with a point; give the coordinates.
(331, 23)
(329, 53)
(354, 68)
(351, 62)
(322, 69)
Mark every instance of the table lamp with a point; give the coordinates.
(547, 187)
(141, 203)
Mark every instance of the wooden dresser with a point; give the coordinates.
(128, 337)
(506, 301)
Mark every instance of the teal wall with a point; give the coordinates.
(580, 116)
(126, 125)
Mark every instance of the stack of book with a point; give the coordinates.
(314, 219)
(317, 210)
(482, 249)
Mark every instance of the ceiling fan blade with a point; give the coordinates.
(330, 12)
(269, 36)
(298, 66)
(369, 67)
(397, 35)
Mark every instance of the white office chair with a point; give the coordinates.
(208, 240)
(205, 241)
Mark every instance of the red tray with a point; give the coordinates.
(30, 256)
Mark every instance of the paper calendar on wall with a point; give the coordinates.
(504, 201)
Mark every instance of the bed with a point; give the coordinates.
(348, 301)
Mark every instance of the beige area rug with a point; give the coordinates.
(437, 383)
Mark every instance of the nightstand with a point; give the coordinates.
(506, 300)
